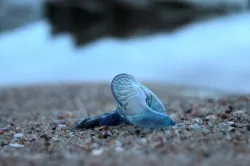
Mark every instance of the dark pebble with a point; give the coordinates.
(188, 111)
(137, 131)
(105, 135)
(232, 130)
(206, 155)
(229, 111)
(46, 137)
(4, 129)
(248, 127)
(47, 144)
(233, 125)
(222, 116)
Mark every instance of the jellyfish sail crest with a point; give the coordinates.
(128, 94)
(132, 95)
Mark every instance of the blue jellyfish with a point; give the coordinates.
(136, 105)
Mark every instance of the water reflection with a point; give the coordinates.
(215, 54)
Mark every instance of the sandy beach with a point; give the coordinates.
(37, 128)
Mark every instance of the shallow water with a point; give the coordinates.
(213, 53)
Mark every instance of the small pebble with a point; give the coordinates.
(18, 135)
(97, 152)
(55, 138)
(65, 115)
(229, 110)
(71, 134)
(103, 128)
(195, 126)
(206, 131)
(61, 125)
(94, 145)
(239, 112)
(118, 143)
(228, 137)
(119, 149)
(1, 132)
(188, 111)
(197, 120)
(233, 125)
(105, 134)
(16, 145)
(4, 129)
(248, 127)
(159, 144)
(137, 131)
(230, 122)
(142, 140)
(222, 116)
(84, 147)
(231, 129)
(211, 117)
(46, 137)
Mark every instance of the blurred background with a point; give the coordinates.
(187, 42)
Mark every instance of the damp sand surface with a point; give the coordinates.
(37, 128)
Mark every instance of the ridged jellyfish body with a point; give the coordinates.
(139, 105)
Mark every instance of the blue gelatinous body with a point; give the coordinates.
(136, 105)
(139, 105)
(108, 119)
